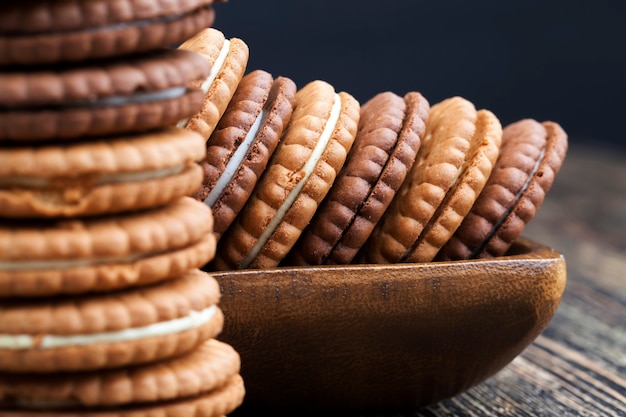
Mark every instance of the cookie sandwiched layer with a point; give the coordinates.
(453, 164)
(47, 32)
(109, 330)
(203, 382)
(49, 257)
(530, 157)
(240, 147)
(388, 138)
(108, 175)
(228, 59)
(109, 97)
(302, 169)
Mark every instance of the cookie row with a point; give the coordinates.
(309, 176)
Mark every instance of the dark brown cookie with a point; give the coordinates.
(110, 97)
(387, 141)
(530, 157)
(240, 147)
(43, 31)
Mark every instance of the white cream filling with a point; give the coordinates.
(234, 163)
(37, 182)
(138, 98)
(215, 70)
(308, 169)
(193, 320)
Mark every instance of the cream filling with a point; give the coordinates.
(38, 182)
(193, 320)
(138, 98)
(215, 70)
(234, 163)
(308, 169)
(30, 265)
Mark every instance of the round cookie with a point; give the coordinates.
(45, 32)
(104, 253)
(530, 157)
(455, 159)
(388, 138)
(108, 330)
(100, 98)
(240, 147)
(228, 59)
(107, 175)
(311, 152)
(205, 380)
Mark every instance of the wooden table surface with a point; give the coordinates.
(577, 367)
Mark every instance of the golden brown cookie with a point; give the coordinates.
(455, 159)
(39, 258)
(530, 157)
(205, 378)
(108, 330)
(305, 164)
(100, 98)
(228, 59)
(108, 175)
(239, 149)
(388, 138)
(43, 31)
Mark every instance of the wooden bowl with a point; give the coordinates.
(385, 336)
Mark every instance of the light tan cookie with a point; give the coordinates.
(108, 175)
(228, 59)
(104, 253)
(455, 159)
(108, 330)
(305, 164)
(206, 379)
(530, 157)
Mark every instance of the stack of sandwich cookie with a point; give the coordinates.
(103, 308)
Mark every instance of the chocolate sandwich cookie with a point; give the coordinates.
(241, 145)
(108, 330)
(72, 256)
(302, 169)
(386, 144)
(204, 382)
(530, 157)
(101, 176)
(93, 99)
(455, 159)
(44, 32)
(228, 59)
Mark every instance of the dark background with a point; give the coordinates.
(549, 60)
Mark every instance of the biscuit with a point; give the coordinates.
(388, 138)
(108, 330)
(228, 59)
(108, 175)
(104, 253)
(206, 379)
(455, 159)
(530, 157)
(103, 98)
(302, 169)
(47, 32)
(239, 149)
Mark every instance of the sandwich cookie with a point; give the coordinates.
(39, 258)
(387, 141)
(240, 147)
(228, 59)
(302, 169)
(44, 32)
(104, 98)
(455, 159)
(100, 176)
(204, 382)
(530, 157)
(114, 329)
